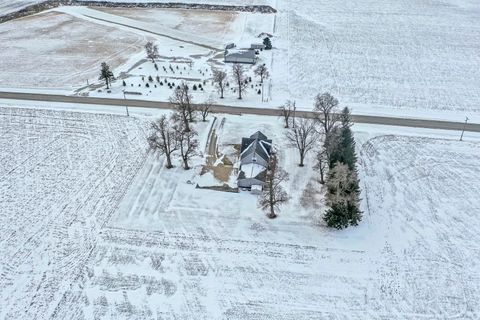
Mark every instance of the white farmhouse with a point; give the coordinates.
(254, 159)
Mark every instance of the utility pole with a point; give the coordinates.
(294, 111)
(263, 91)
(464, 126)
(126, 106)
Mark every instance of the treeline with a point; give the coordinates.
(329, 134)
(50, 4)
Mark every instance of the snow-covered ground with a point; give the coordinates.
(62, 177)
(9, 6)
(185, 56)
(214, 2)
(58, 51)
(93, 226)
(406, 59)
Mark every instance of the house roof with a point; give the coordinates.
(253, 170)
(258, 135)
(258, 144)
(236, 54)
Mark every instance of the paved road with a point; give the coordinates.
(389, 121)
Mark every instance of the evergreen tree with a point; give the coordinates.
(340, 216)
(268, 43)
(106, 74)
(342, 197)
(348, 155)
(343, 147)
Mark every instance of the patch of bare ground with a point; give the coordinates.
(220, 163)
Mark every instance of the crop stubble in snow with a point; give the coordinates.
(61, 177)
(387, 54)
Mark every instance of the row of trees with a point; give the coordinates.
(335, 157)
(220, 77)
(170, 135)
(239, 77)
(175, 134)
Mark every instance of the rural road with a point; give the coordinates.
(380, 120)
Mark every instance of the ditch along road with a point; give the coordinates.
(121, 103)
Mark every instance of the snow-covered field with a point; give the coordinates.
(409, 57)
(9, 6)
(92, 226)
(422, 203)
(214, 2)
(58, 51)
(63, 175)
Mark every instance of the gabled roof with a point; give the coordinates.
(254, 171)
(258, 135)
(236, 54)
(258, 144)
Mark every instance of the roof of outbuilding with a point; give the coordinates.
(240, 54)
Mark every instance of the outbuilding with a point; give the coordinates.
(257, 46)
(240, 56)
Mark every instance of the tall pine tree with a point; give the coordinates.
(106, 74)
(344, 151)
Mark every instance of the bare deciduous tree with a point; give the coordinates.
(303, 137)
(287, 110)
(106, 74)
(181, 98)
(152, 51)
(322, 164)
(163, 138)
(187, 143)
(239, 76)
(273, 195)
(327, 114)
(220, 81)
(206, 109)
(262, 72)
